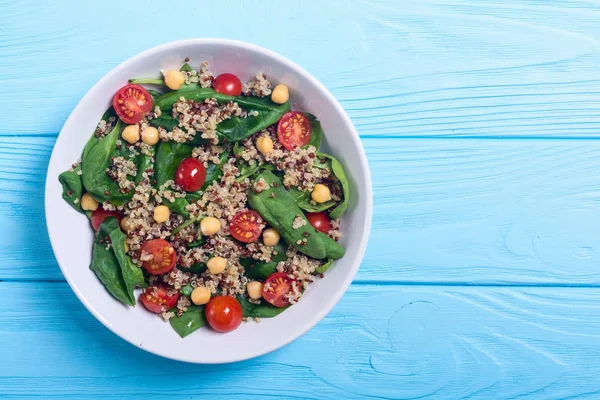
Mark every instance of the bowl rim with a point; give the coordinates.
(367, 198)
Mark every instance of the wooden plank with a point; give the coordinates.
(380, 341)
(458, 211)
(421, 68)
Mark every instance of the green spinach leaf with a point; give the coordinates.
(132, 274)
(324, 267)
(190, 321)
(179, 206)
(187, 290)
(262, 310)
(186, 68)
(98, 159)
(214, 172)
(168, 157)
(333, 249)
(108, 114)
(322, 162)
(237, 149)
(197, 268)
(195, 244)
(192, 197)
(154, 93)
(146, 162)
(277, 206)
(247, 170)
(72, 182)
(338, 171)
(260, 270)
(147, 81)
(165, 121)
(107, 268)
(72, 188)
(303, 200)
(316, 136)
(250, 171)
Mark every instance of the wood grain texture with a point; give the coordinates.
(385, 342)
(400, 68)
(430, 85)
(446, 211)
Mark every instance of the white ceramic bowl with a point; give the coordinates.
(71, 234)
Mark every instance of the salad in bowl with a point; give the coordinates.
(211, 200)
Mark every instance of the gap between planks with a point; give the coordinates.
(428, 137)
(395, 283)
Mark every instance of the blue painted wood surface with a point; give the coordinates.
(481, 123)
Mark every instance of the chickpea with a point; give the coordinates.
(126, 246)
(161, 213)
(280, 94)
(209, 226)
(131, 133)
(88, 203)
(150, 136)
(200, 295)
(320, 193)
(126, 224)
(270, 237)
(174, 79)
(216, 265)
(255, 289)
(264, 144)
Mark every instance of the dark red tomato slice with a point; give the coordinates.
(101, 214)
(275, 288)
(223, 313)
(159, 298)
(246, 226)
(294, 130)
(320, 221)
(228, 84)
(163, 256)
(190, 174)
(132, 103)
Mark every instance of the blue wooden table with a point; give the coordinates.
(481, 122)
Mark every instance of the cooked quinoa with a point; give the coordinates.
(259, 87)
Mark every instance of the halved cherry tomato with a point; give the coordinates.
(163, 256)
(228, 84)
(132, 103)
(157, 298)
(320, 221)
(223, 313)
(294, 130)
(101, 214)
(190, 174)
(246, 226)
(276, 287)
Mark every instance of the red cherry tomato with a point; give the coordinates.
(190, 174)
(276, 287)
(163, 256)
(132, 103)
(159, 298)
(101, 214)
(246, 226)
(320, 221)
(294, 130)
(223, 313)
(228, 84)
